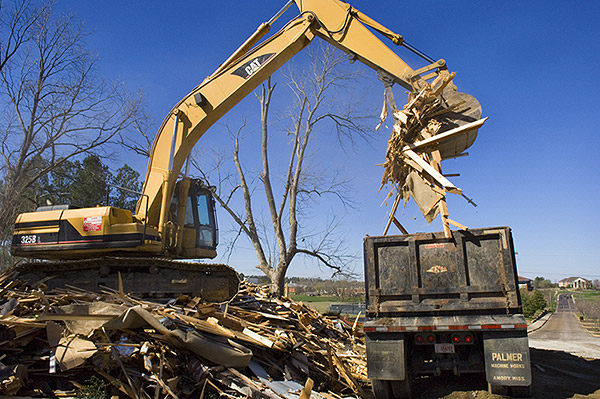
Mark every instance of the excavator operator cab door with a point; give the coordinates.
(199, 236)
(205, 217)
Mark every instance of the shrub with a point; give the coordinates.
(532, 303)
(94, 388)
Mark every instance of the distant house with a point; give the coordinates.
(525, 283)
(293, 288)
(575, 282)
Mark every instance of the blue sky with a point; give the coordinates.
(534, 166)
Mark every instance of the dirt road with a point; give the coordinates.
(563, 332)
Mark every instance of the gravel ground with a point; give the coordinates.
(565, 361)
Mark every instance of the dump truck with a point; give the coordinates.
(439, 305)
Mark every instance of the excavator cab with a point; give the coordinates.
(193, 230)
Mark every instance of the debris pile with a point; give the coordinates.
(437, 123)
(68, 341)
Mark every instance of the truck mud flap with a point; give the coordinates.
(386, 359)
(507, 361)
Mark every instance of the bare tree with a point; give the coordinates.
(16, 24)
(54, 106)
(317, 109)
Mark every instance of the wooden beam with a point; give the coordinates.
(444, 215)
(392, 214)
(445, 136)
(455, 223)
(399, 226)
(437, 176)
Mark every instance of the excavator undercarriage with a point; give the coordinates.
(145, 277)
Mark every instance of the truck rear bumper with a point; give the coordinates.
(497, 346)
(446, 323)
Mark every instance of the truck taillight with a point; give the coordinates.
(424, 339)
(462, 339)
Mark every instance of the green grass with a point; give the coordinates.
(588, 295)
(321, 303)
(308, 299)
(321, 307)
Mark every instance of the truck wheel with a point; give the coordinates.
(391, 389)
(498, 389)
(520, 391)
(401, 389)
(382, 389)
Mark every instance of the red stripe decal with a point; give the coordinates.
(458, 327)
(491, 327)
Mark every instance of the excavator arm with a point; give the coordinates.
(332, 20)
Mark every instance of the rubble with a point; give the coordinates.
(60, 343)
(437, 123)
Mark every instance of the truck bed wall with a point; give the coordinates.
(428, 274)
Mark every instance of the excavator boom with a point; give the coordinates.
(333, 21)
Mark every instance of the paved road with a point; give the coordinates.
(563, 332)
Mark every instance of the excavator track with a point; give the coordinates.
(144, 277)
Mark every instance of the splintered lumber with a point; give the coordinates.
(182, 349)
(444, 136)
(305, 393)
(436, 123)
(437, 176)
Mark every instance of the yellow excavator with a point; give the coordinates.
(175, 215)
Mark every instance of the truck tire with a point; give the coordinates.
(498, 389)
(520, 391)
(391, 389)
(401, 389)
(382, 389)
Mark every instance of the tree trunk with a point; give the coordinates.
(278, 280)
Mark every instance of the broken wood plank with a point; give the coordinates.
(455, 223)
(441, 180)
(305, 393)
(438, 138)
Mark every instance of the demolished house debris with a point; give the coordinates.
(54, 342)
(437, 123)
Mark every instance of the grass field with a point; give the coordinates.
(321, 307)
(589, 295)
(321, 303)
(307, 298)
